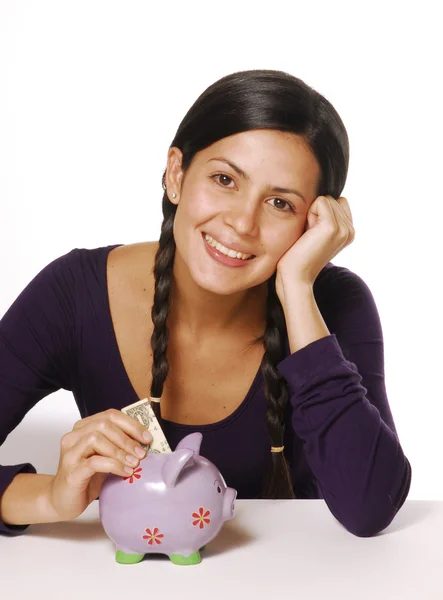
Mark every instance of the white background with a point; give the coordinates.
(92, 92)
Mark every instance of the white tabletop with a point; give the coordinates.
(271, 549)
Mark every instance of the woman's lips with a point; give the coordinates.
(229, 247)
(222, 258)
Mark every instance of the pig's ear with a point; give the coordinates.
(192, 441)
(174, 465)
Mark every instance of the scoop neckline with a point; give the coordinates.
(172, 424)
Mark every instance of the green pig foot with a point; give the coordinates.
(128, 559)
(179, 559)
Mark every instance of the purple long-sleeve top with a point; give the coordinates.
(340, 439)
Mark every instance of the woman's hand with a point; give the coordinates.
(328, 230)
(100, 444)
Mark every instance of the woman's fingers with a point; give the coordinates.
(96, 464)
(94, 453)
(107, 442)
(122, 430)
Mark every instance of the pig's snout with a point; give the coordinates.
(228, 503)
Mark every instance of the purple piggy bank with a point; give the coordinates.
(173, 504)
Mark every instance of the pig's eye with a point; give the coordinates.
(219, 489)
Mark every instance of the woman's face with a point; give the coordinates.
(241, 211)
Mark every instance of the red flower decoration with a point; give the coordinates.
(153, 536)
(201, 517)
(134, 476)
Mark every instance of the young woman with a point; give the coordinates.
(235, 319)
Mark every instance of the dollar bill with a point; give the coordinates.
(142, 411)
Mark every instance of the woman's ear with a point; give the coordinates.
(174, 174)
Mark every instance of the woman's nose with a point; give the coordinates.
(244, 219)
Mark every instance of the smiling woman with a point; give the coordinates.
(274, 135)
(269, 148)
(197, 321)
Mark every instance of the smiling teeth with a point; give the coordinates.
(226, 251)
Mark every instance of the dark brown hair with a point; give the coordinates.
(242, 101)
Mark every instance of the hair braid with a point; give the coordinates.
(163, 264)
(277, 483)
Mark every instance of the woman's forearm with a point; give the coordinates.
(26, 500)
(304, 321)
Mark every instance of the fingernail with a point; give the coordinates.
(140, 452)
(147, 436)
(131, 459)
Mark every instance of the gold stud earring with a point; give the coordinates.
(174, 195)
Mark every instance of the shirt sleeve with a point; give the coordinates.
(340, 410)
(36, 336)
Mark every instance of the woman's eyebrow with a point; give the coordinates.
(269, 187)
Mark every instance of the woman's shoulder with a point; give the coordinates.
(131, 256)
(124, 258)
(131, 266)
(83, 269)
(78, 257)
(336, 278)
(340, 291)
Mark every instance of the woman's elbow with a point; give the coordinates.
(375, 516)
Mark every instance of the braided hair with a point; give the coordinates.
(242, 101)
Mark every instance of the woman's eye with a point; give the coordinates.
(222, 175)
(289, 209)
